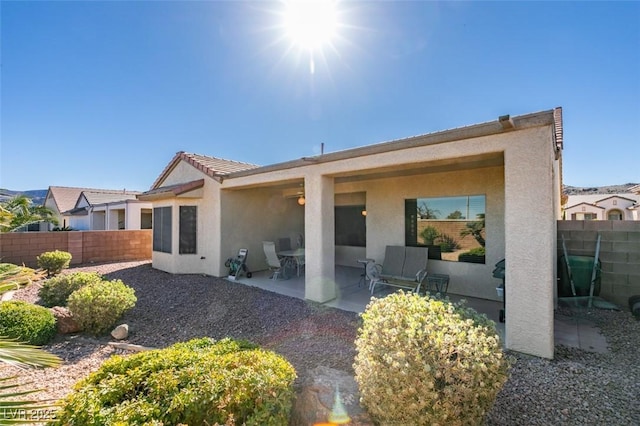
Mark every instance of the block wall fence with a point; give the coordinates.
(619, 253)
(84, 246)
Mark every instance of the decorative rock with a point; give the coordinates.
(65, 322)
(8, 295)
(316, 398)
(120, 332)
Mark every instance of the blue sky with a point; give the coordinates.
(103, 94)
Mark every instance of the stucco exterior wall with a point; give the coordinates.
(80, 223)
(252, 216)
(581, 209)
(51, 204)
(530, 243)
(385, 222)
(182, 173)
(203, 261)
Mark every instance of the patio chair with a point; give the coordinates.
(403, 267)
(275, 264)
(284, 244)
(391, 267)
(372, 272)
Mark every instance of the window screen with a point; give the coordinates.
(162, 229)
(188, 226)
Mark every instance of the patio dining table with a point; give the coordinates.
(295, 255)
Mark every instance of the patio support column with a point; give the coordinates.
(530, 245)
(319, 231)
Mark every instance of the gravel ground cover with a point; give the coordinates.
(576, 388)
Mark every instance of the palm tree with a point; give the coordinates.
(21, 355)
(23, 411)
(475, 229)
(20, 211)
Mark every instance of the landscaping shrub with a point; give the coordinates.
(27, 323)
(424, 361)
(54, 261)
(475, 255)
(55, 291)
(97, 306)
(198, 382)
(429, 235)
(447, 243)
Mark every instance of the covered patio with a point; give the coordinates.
(352, 293)
(503, 176)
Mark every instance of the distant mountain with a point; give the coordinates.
(37, 195)
(610, 189)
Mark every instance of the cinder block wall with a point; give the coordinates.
(619, 253)
(84, 246)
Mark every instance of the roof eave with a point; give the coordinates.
(526, 121)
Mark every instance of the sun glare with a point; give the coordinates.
(310, 24)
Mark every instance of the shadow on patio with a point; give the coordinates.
(353, 293)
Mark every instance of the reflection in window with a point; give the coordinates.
(452, 227)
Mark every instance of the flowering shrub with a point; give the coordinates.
(54, 261)
(55, 291)
(198, 382)
(27, 323)
(97, 306)
(427, 361)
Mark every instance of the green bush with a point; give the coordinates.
(447, 243)
(55, 291)
(198, 382)
(54, 261)
(477, 251)
(27, 323)
(98, 305)
(429, 234)
(427, 361)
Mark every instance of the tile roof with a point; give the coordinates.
(102, 197)
(557, 123)
(594, 199)
(171, 190)
(210, 166)
(66, 197)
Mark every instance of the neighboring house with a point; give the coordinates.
(61, 199)
(205, 209)
(625, 206)
(72, 207)
(110, 210)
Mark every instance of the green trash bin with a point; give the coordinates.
(581, 271)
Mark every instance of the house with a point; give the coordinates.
(205, 209)
(625, 206)
(61, 199)
(88, 209)
(109, 210)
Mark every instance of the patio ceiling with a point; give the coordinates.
(440, 166)
(410, 169)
